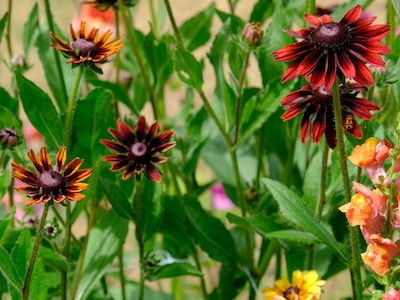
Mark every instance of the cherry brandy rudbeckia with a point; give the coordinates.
(87, 48)
(51, 184)
(331, 48)
(138, 151)
(318, 117)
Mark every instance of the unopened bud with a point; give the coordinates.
(252, 33)
(8, 137)
(19, 63)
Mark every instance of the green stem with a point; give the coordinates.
(121, 272)
(231, 7)
(8, 29)
(61, 102)
(134, 47)
(83, 251)
(322, 198)
(117, 61)
(202, 281)
(173, 22)
(69, 121)
(38, 238)
(66, 248)
(355, 264)
(240, 97)
(137, 207)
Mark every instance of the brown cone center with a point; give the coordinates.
(331, 36)
(51, 181)
(83, 47)
(139, 150)
(291, 293)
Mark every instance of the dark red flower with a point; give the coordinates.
(58, 184)
(331, 48)
(318, 117)
(138, 151)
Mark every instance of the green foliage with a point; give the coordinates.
(192, 73)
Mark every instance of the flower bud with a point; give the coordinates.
(252, 33)
(8, 137)
(18, 63)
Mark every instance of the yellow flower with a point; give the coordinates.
(306, 285)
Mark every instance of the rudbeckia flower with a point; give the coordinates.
(318, 116)
(87, 48)
(138, 151)
(330, 48)
(50, 183)
(305, 285)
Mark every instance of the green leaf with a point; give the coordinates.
(174, 270)
(105, 241)
(31, 30)
(21, 255)
(3, 22)
(209, 232)
(51, 258)
(9, 270)
(297, 212)
(60, 87)
(117, 198)
(196, 31)
(151, 207)
(158, 56)
(312, 182)
(8, 102)
(187, 67)
(89, 128)
(40, 111)
(173, 224)
(118, 92)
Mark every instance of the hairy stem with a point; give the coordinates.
(38, 238)
(355, 264)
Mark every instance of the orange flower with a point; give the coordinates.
(51, 184)
(102, 19)
(379, 253)
(358, 211)
(370, 156)
(87, 48)
(370, 153)
(366, 209)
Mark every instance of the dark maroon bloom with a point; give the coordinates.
(138, 151)
(318, 117)
(331, 48)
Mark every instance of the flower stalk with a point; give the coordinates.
(355, 264)
(38, 238)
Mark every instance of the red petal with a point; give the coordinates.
(352, 15)
(153, 173)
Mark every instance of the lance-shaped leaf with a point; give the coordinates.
(295, 210)
(40, 111)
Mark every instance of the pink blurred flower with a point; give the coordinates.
(393, 294)
(219, 198)
(33, 138)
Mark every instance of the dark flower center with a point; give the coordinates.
(331, 37)
(51, 181)
(83, 47)
(322, 96)
(292, 291)
(139, 150)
